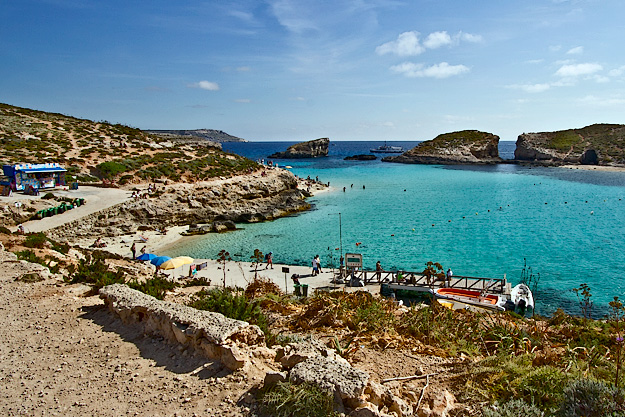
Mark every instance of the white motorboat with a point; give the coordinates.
(387, 149)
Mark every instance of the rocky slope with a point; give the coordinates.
(599, 144)
(92, 151)
(311, 149)
(463, 147)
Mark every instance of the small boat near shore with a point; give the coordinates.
(471, 298)
(387, 149)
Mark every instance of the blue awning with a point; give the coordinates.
(32, 170)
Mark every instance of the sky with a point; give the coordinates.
(296, 70)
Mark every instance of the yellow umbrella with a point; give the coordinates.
(176, 262)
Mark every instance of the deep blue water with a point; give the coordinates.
(478, 220)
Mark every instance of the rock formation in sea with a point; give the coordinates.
(599, 144)
(311, 149)
(362, 157)
(463, 147)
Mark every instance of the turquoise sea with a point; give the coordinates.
(486, 221)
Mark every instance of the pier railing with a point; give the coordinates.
(416, 280)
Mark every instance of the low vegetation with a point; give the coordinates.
(289, 400)
(94, 151)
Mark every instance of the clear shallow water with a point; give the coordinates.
(479, 221)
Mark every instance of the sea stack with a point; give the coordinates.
(311, 149)
(463, 147)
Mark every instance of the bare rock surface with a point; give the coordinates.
(463, 147)
(332, 376)
(211, 333)
(311, 149)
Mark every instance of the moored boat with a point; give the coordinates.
(472, 298)
(522, 298)
(387, 149)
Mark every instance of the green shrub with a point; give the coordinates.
(156, 287)
(592, 399)
(288, 400)
(111, 169)
(48, 196)
(198, 282)
(514, 408)
(35, 240)
(94, 271)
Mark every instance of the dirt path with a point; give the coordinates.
(62, 354)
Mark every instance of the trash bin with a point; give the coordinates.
(55, 210)
(61, 208)
(298, 291)
(305, 290)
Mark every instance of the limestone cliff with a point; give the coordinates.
(463, 147)
(310, 149)
(599, 144)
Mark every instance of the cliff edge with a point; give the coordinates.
(598, 144)
(463, 147)
(311, 149)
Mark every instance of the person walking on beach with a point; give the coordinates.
(143, 250)
(318, 264)
(133, 249)
(315, 267)
(269, 260)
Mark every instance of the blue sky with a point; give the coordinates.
(297, 70)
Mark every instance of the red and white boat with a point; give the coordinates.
(458, 297)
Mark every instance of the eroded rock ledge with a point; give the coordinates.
(212, 334)
(463, 147)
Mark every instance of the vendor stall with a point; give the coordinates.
(33, 177)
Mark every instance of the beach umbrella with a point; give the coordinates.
(176, 262)
(146, 257)
(159, 260)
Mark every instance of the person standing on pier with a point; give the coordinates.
(450, 274)
(378, 270)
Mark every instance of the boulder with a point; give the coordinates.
(311, 149)
(340, 379)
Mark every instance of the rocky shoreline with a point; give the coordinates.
(261, 196)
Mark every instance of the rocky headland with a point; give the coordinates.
(463, 147)
(311, 149)
(211, 135)
(265, 195)
(599, 144)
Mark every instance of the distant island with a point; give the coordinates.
(208, 134)
(598, 144)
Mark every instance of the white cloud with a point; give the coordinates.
(576, 70)
(242, 100)
(617, 72)
(243, 69)
(205, 85)
(602, 102)
(530, 88)
(389, 124)
(468, 37)
(442, 70)
(407, 44)
(575, 51)
(437, 39)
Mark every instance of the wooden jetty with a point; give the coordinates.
(416, 281)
